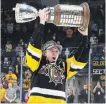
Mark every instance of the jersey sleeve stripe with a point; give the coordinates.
(31, 62)
(76, 64)
(34, 51)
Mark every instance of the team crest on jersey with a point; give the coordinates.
(54, 72)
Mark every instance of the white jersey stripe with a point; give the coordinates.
(34, 53)
(76, 66)
(48, 92)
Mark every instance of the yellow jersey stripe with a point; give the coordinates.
(36, 50)
(40, 99)
(77, 63)
(34, 53)
(73, 63)
(32, 63)
(71, 74)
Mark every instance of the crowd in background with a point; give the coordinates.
(97, 94)
(15, 37)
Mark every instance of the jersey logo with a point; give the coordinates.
(54, 72)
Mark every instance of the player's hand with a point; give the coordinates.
(83, 32)
(43, 14)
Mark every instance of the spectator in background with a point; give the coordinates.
(8, 47)
(101, 35)
(95, 28)
(6, 65)
(27, 96)
(93, 39)
(17, 88)
(103, 86)
(84, 94)
(10, 94)
(58, 42)
(21, 42)
(72, 39)
(54, 37)
(7, 18)
(100, 12)
(71, 97)
(4, 82)
(11, 77)
(2, 93)
(100, 15)
(18, 49)
(18, 60)
(98, 93)
(17, 33)
(28, 73)
(6, 62)
(10, 27)
(27, 82)
(24, 62)
(26, 86)
(17, 66)
(25, 47)
(3, 27)
(17, 27)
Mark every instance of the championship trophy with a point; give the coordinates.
(60, 15)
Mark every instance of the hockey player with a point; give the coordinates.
(48, 79)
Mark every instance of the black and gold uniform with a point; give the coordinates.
(48, 79)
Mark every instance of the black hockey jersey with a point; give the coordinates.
(48, 79)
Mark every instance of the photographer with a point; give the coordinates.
(98, 93)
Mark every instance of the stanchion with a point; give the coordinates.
(21, 78)
(89, 75)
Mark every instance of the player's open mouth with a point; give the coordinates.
(53, 58)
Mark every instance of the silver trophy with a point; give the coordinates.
(60, 15)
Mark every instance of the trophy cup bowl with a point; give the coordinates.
(25, 13)
(60, 15)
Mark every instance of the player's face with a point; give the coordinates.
(52, 54)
